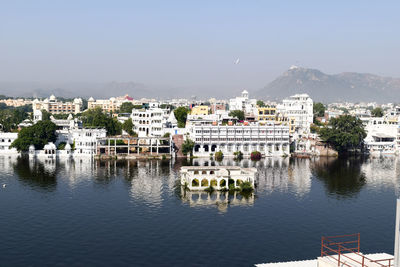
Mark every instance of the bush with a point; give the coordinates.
(238, 155)
(219, 155)
(209, 189)
(255, 155)
(246, 187)
(61, 146)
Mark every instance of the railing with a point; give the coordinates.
(345, 250)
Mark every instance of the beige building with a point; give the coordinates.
(16, 102)
(199, 110)
(53, 106)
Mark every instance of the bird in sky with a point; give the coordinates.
(237, 61)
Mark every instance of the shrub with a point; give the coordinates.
(209, 189)
(255, 155)
(238, 155)
(246, 187)
(219, 155)
(61, 146)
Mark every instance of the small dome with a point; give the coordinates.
(52, 97)
(31, 148)
(67, 146)
(91, 99)
(77, 101)
(70, 117)
(50, 146)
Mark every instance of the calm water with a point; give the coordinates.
(132, 213)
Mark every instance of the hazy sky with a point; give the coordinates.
(194, 43)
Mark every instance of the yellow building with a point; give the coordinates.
(268, 114)
(199, 110)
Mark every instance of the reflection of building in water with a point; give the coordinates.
(382, 171)
(285, 175)
(219, 199)
(7, 163)
(146, 185)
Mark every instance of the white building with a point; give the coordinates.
(270, 140)
(85, 140)
(382, 133)
(148, 122)
(248, 106)
(6, 139)
(200, 178)
(299, 107)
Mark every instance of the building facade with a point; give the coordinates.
(6, 139)
(270, 140)
(300, 108)
(148, 122)
(57, 107)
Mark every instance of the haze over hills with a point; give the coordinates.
(346, 86)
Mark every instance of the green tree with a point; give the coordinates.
(187, 147)
(38, 135)
(126, 107)
(319, 109)
(377, 112)
(260, 103)
(96, 118)
(127, 126)
(344, 133)
(165, 106)
(181, 116)
(11, 117)
(239, 114)
(45, 115)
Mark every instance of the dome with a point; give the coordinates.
(70, 117)
(52, 98)
(77, 101)
(91, 99)
(67, 146)
(112, 99)
(50, 146)
(31, 148)
(46, 100)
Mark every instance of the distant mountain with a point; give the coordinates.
(347, 86)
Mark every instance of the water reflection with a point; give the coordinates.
(221, 200)
(342, 177)
(147, 181)
(38, 175)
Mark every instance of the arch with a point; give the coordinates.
(222, 183)
(213, 183)
(196, 148)
(195, 182)
(204, 172)
(206, 148)
(212, 172)
(204, 182)
(196, 172)
(213, 148)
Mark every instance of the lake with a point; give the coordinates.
(118, 213)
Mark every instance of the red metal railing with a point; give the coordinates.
(344, 248)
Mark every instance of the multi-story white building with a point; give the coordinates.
(270, 140)
(299, 107)
(6, 139)
(148, 122)
(248, 106)
(85, 140)
(382, 135)
(53, 106)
